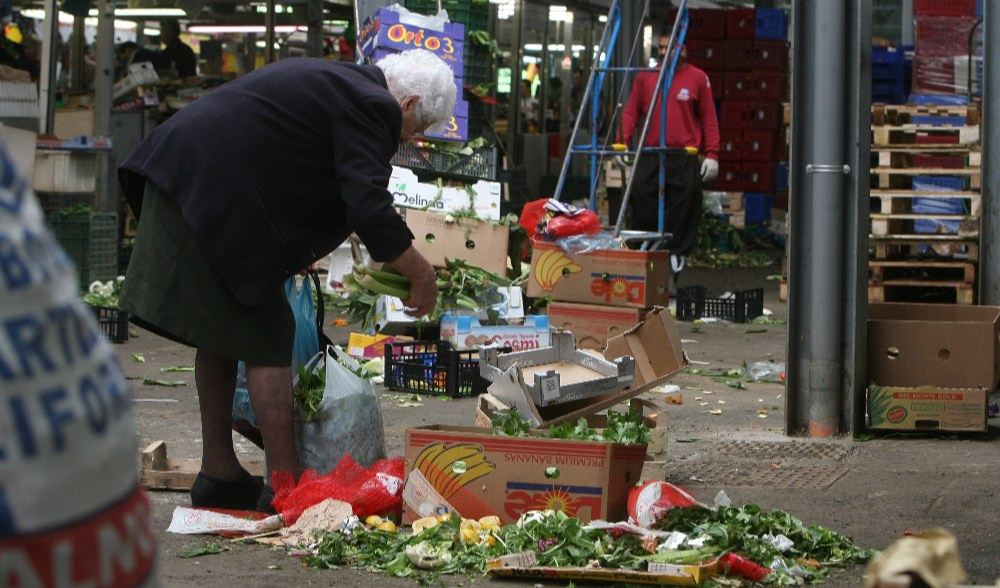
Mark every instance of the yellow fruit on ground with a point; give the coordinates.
(373, 520)
(490, 522)
(387, 526)
(424, 523)
(444, 517)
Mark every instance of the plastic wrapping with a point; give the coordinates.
(945, 74)
(943, 35)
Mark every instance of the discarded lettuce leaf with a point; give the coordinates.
(168, 383)
(207, 550)
(138, 358)
(177, 368)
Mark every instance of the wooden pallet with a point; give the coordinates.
(901, 201)
(912, 291)
(886, 247)
(783, 291)
(888, 178)
(902, 223)
(902, 157)
(160, 473)
(910, 135)
(930, 271)
(901, 114)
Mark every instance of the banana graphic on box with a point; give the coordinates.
(450, 467)
(552, 265)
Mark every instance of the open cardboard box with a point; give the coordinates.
(437, 238)
(654, 344)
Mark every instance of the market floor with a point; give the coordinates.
(720, 438)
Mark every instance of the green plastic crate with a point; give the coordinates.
(91, 241)
(474, 15)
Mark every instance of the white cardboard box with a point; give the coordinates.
(465, 332)
(391, 317)
(408, 192)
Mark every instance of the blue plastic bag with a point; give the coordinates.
(305, 347)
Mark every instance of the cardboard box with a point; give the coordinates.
(380, 53)
(508, 476)
(391, 317)
(927, 409)
(457, 129)
(619, 277)
(361, 346)
(409, 192)
(593, 324)
(524, 565)
(65, 171)
(655, 344)
(480, 243)
(946, 345)
(385, 29)
(466, 332)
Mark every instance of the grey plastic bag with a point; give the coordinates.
(348, 420)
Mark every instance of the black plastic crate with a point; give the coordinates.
(476, 64)
(695, 302)
(475, 16)
(114, 323)
(433, 367)
(91, 241)
(481, 164)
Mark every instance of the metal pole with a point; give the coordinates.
(816, 256)
(514, 136)
(104, 79)
(314, 36)
(78, 48)
(989, 257)
(269, 55)
(47, 75)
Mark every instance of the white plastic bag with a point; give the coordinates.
(348, 420)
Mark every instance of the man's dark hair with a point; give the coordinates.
(127, 45)
(171, 25)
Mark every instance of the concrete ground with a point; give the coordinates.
(872, 491)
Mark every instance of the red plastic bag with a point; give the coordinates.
(649, 502)
(532, 214)
(375, 490)
(735, 564)
(583, 222)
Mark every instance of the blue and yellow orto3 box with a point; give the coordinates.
(471, 472)
(385, 30)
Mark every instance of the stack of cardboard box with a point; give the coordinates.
(600, 294)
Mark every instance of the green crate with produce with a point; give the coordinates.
(91, 241)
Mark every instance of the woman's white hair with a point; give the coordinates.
(419, 72)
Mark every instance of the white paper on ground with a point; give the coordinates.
(193, 521)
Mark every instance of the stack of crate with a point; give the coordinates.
(925, 203)
(745, 53)
(888, 75)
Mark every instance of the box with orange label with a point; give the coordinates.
(477, 474)
(593, 324)
(619, 277)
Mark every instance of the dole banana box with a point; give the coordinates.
(617, 277)
(473, 473)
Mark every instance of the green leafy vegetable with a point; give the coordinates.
(177, 368)
(625, 427)
(210, 549)
(168, 383)
(309, 393)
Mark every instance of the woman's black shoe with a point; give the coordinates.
(242, 494)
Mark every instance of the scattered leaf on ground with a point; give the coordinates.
(168, 383)
(138, 358)
(210, 549)
(177, 368)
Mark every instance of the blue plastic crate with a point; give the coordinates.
(771, 23)
(888, 87)
(757, 207)
(938, 183)
(887, 55)
(898, 98)
(888, 71)
(938, 121)
(939, 99)
(937, 206)
(781, 176)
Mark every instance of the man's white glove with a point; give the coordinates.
(709, 170)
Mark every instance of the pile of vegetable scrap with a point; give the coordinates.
(626, 428)
(104, 294)
(738, 543)
(460, 285)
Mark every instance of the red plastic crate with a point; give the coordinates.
(781, 144)
(739, 55)
(944, 7)
(707, 54)
(770, 55)
(730, 145)
(943, 35)
(758, 177)
(717, 80)
(706, 23)
(737, 85)
(758, 145)
(763, 115)
(780, 200)
(928, 139)
(733, 114)
(770, 85)
(934, 74)
(741, 23)
(730, 177)
(940, 161)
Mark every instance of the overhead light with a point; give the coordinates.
(145, 12)
(278, 9)
(67, 18)
(532, 46)
(211, 29)
(602, 18)
(151, 32)
(505, 9)
(557, 13)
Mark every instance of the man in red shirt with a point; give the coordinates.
(691, 123)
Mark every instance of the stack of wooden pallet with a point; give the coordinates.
(925, 182)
